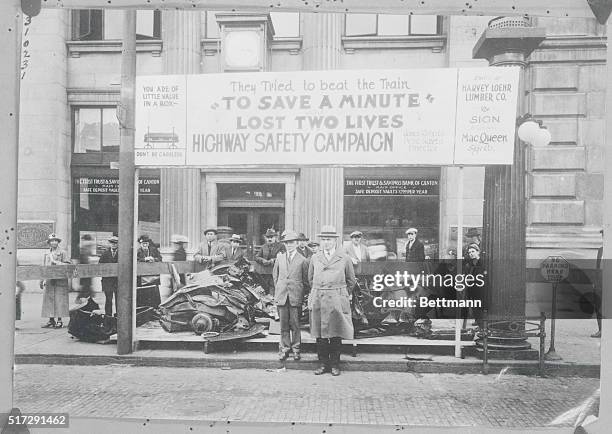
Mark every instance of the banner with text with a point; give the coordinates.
(373, 117)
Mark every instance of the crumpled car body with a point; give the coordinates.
(225, 299)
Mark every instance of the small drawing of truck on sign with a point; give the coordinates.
(161, 140)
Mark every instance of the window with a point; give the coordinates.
(97, 25)
(391, 25)
(383, 207)
(95, 204)
(94, 130)
(286, 24)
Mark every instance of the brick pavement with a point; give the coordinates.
(382, 398)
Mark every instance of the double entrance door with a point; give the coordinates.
(252, 223)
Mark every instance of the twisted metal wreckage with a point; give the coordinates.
(224, 304)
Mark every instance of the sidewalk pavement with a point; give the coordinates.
(33, 344)
(225, 396)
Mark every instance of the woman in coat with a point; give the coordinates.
(55, 298)
(473, 266)
(331, 278)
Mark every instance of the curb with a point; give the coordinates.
(420, 367)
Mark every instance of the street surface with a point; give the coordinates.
(250, 395)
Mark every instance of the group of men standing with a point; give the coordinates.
(291, 269)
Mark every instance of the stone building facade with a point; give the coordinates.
(69, 135)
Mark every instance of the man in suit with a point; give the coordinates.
(109, 284)
(331, 277)
(265, 259)
(302, 247)
(357, 251)
(290, 274)
(415, 250)
(234, 252)
(211, 252)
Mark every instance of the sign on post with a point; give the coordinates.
(442, 116)
(554, 269)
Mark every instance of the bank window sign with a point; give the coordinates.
(391, 187)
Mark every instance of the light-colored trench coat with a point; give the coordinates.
(329, 304)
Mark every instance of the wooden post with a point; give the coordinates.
(125, 293)
(10, 18)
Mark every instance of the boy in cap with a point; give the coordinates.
(290, 274)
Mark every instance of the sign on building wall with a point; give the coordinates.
(33, 234)
(373, 117)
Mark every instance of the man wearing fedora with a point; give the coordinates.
(290, 274)
(357, 251)
(265, 259)
(331, 277)
(302, 247)
(235, 252)
(110, 284)
(211, 252)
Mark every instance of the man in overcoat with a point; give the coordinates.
(110, 284)
(357, 251)
(210, 252)
(331, 277)
(265, 259)
(290, 274)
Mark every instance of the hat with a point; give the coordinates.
(53, 237)
(291, 236)
(144, 239)
(235, 237)
(211, 230)
(313, 244)
(474, 246)
(356, 234)
(328, 231)
(113, 240)
(178, 239)
(302, 237)
(412, 230)
(473, 232)
(270, 233)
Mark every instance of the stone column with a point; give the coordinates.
(320, 193)
(507, 42)
(180, 188)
